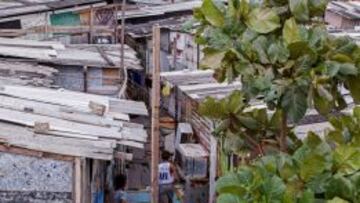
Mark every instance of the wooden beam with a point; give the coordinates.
(155, 105)
(85, 180)
(27, 152)
(213, 169)
(91, 33)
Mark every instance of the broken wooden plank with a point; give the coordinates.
(32, 43)
(27, 152)
(131, 144)
(29, 119)
(22, 137)
(128, 107)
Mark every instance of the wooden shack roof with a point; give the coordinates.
(161, 10)
(168, 15)
(68, 123)
(199, 84)
(74, 55)
(13, 8)
(140, 30)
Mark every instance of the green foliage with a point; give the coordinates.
(282, 54)
(278, 53)
(328, 170)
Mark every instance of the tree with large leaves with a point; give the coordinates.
(283, 55)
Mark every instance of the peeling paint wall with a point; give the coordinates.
(30, 179)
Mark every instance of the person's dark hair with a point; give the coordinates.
(165, 155)
(120, 182)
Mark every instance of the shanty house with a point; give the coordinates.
(55, 145)
(343, 14)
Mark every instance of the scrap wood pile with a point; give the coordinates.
(68, 123)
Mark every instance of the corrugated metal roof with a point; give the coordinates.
(11, 8)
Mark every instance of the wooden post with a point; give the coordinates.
(85, 185)
(155, 105)
(47, 25)
(77, 181)
(116, 24)
(198, 57)
(122, 40)
(175, 52)
(91, 34)
(122, 32)
(213, 169)
(85, 73)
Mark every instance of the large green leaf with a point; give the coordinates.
(229, 198)
(347, 159)
(213, 109)
(248, 122)
(234, 183)
(307, 197)
(318, 183)
(337, 200)
(212, 13)
(353, 84)
(299, 9)
(278, 53)
(294, 103)
(317, 7)
(312, 166)
(291, 32)
(273, 189)
(260, 45)
(263, 20)
(340, 186)
(218, 39)
(212, 59)
(234, 9)
(322, 104)
(235, 102)
(301, 48)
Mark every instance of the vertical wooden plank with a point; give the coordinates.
(86, 190)
(77, 180)
(116, 23)
(123, 7)
(155, 105)
(47, 25)
(198, 57)
(85, 72)
(213, 168)
(175, 51)
(91, 20)
(122, 65)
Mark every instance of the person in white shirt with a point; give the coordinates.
(167, 177)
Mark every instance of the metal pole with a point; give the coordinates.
(155, 106)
